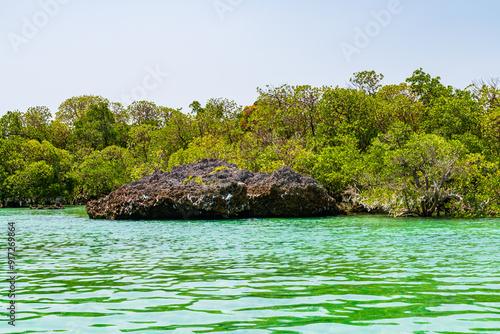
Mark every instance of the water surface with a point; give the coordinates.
(356, 274)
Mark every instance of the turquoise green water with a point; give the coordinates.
(363, 274)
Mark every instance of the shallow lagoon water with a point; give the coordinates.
(351, 274)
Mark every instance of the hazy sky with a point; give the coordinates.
(174, 52)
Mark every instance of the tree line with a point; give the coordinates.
(414, 148)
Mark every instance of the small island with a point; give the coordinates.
(414, 149)
(214, 189)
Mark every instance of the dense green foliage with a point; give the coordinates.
(416, 148)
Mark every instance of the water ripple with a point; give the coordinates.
(345, 274)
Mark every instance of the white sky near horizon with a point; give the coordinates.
(109, 48)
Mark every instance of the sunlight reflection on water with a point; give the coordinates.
(341, 274)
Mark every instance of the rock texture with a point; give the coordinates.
(213, 189)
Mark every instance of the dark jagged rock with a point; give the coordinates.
(213, 189)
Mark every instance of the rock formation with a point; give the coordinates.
(213, 189)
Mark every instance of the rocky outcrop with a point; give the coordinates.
(213, 189)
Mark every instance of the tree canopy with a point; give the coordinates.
(414, 148)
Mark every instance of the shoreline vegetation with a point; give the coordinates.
(418, 148)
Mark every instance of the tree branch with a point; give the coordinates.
(407, 213)
(417, 179)
(448, 172)
(425, 177)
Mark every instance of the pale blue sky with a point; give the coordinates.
(110, 47)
